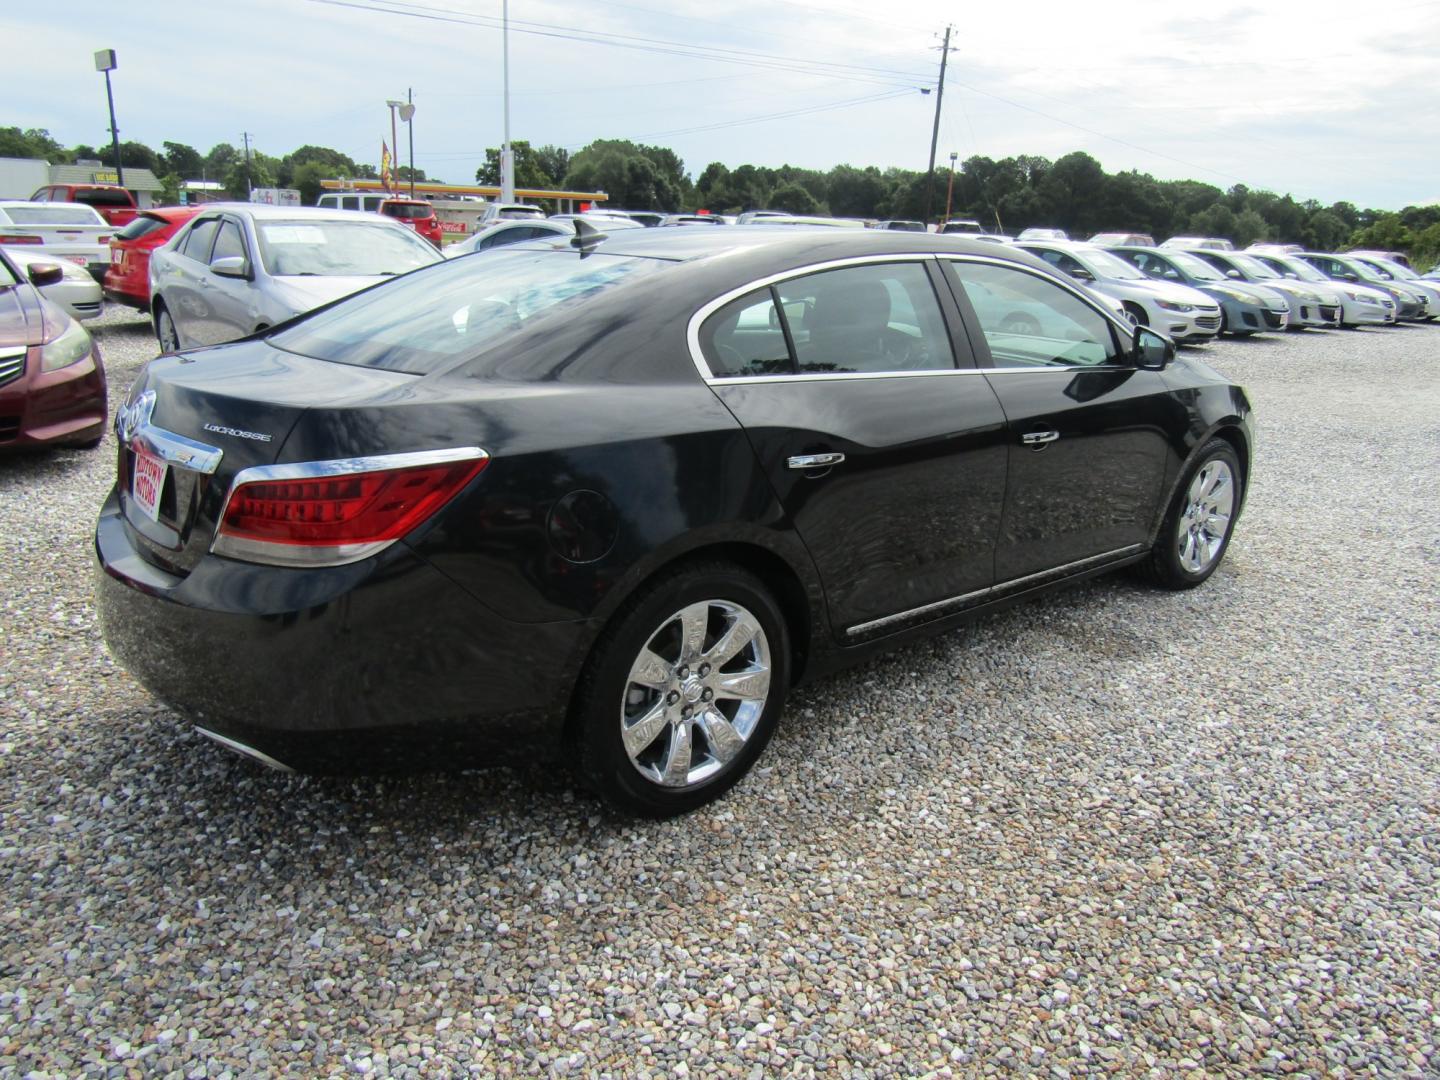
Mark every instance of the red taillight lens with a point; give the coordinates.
(329, 513)
(20, 239)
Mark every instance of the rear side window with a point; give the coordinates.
(198, 240)
(1031, 322)
(744, 338)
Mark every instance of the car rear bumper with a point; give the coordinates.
(347, 669)
(49, 408)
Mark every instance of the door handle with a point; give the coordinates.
(815, 461)
(206, 283)
(1039, 438)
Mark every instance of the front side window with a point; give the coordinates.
(229, 242)
(1031, 322)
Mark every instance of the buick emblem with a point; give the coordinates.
(132, 417)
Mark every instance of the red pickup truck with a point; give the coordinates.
(113, 202)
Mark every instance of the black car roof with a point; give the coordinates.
(782, 241)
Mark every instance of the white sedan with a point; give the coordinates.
(76, 291)
(71, 231)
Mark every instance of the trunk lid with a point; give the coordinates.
(199, 418)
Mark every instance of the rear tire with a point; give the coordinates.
(1195, 533)
(683, 691)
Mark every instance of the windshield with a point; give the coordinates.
(1103, 264)
(1299, 267)
(1195, 266)
(53, 214)
(450, 311)
(1403, 272)
(1252, 267)
(340, 248)
(1365, 271)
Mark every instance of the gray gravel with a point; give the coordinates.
(1113, 831)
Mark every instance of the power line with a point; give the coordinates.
(749, 58)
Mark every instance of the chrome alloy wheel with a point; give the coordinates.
(165, 331)
(695, 693)
(1205, 521)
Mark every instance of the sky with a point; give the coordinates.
(1322, 99)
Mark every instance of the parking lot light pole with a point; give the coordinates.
(950, 191)
(507, 156)
(105, 61)
(407, 113)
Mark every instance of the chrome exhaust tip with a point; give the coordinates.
(248, 751)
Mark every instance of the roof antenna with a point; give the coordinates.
(587, 237)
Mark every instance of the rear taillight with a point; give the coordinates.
(328, 513)
(14, 239)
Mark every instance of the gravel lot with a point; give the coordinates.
(1116, 830)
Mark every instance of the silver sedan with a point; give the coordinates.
(239, 268)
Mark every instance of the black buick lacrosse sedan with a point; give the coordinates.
(607, 499)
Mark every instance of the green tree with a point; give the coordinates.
(636, 177)
(794, 198)
(1249, 228)
(853, 192)
(181, 161)
(534, 168)
(31, 143)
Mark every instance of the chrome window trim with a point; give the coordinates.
(860, 629)
(697, 356)
(315, 555)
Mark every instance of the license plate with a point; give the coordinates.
(117, 257)
(78, 260)
(147, 481)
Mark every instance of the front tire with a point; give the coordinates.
(683, 691)
(1196, 531)
(165, 332)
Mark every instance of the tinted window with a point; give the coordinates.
(745, 338)
(140, 226)
(198, 240)
(103, 197)
(454, 309)
(228, 243)
(877, 318)
(350, 202)
(1028, 321)
(408, 211)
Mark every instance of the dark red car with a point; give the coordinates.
(52, 382)
(418, 214)
(127, 280)
(113, 202)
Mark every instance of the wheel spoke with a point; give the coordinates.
(740, 633)
(694, 621)
(677, 759)
(642, 732)
(651, 670)
(725, 741)
(751, 685)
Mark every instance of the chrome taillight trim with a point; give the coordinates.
(301, 555)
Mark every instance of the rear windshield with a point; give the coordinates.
(141, 226)
(406, 210)
(421, 322)
(340, 248)
(103, 197)
(53, 214)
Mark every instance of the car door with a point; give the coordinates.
(184, 283)
(232, 300)
(1086, 428)
(886, 453)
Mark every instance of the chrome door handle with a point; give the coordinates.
(1039, 438)
(815, 461)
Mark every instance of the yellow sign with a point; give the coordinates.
(104, 178)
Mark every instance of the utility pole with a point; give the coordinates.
(935, 131)
(507, 155)
(950, 190)
(249, 187)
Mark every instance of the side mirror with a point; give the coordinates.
(1346, 275)
(232, 266)
(1233, 274)
(1081, 274)
(42, 274)
(1153, 351)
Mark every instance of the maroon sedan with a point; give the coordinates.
(52, 383)
(127, 280)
